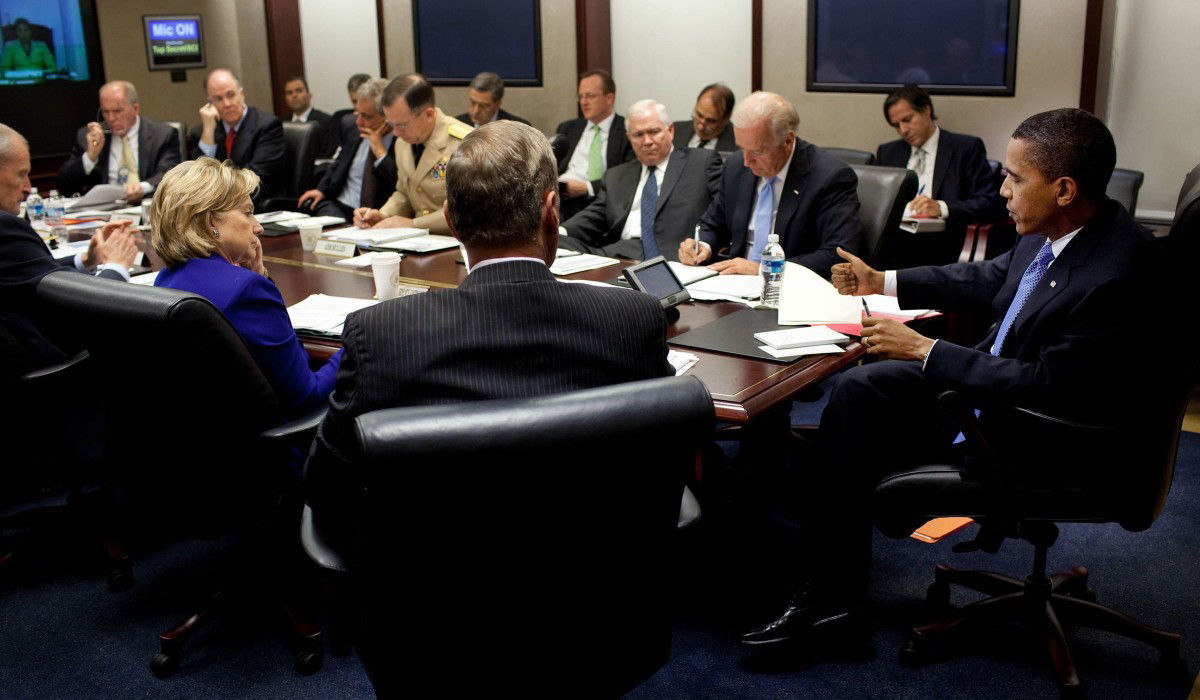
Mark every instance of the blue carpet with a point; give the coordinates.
(63, 635)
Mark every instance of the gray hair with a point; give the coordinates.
(214, 71)
(8, 138)
(489, 82)
(641, 107)
(127, 89)
(767, 106)
(372, 90)
(495, 183)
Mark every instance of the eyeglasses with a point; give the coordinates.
(590, 95)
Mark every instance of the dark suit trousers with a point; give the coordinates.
(332, 207)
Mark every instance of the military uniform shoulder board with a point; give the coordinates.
(459, 130)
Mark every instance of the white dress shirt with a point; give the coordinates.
(577, 167)
(633, 222)
(115, 150)
(303, 117)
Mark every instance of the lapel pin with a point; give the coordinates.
(1053, 283)
(796, 192)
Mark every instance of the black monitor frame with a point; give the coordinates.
(464, 80)
(146, 19)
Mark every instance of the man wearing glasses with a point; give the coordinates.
(425, 139)
(595, 142)
(709, 126)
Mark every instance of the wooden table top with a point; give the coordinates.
(742, 388)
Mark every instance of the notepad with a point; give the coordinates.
(274, 217)
(373, 236)
(421, 244)
(688, 274)
(294, 224)
(809, 298)
(579, 263)
(800, 337)
(727, 287)
(920, 224)
(325, 314)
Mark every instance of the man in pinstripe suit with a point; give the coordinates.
(511, 330)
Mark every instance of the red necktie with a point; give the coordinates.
(229, 143)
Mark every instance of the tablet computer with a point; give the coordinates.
(656, 278)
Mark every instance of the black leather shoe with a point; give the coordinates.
(806, 616)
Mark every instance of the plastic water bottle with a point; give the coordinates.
(35, 209)
(54, 216)
(770, 267)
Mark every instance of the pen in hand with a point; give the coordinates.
(697, 239)
(866, 309)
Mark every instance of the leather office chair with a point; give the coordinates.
(206, 450)
(534, 534)
(850, 156)
(1124, 185)
(181, 129)
(1120, 474)
(301, 140)
(882, 194)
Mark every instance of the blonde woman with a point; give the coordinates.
(204, 230)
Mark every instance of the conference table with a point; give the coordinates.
(742, 388)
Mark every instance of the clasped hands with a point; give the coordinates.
(116, 242)
(881, 336)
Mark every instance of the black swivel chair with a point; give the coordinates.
(850, 156)
(1124, 186)
(882, 194)
(180, 129)
(207, 450)
(302, 140)
(1121, 474)
(515, 544)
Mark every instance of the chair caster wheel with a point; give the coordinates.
(308, 661)
(163, 665)
(914, 654)
(120, 579)
(937, 597)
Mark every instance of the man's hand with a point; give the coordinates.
(894, 340)
(688, 254)
(134, 193)
(366, 217)
(208, 123)
(576, 188)
(924, 206)
(735, 266)
(394, 222)
(374, 138)
(95, 141)
(316, 196)
(855, 277)
(114, 243)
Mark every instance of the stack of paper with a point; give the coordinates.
(882, 305)
(731, 287)
(809, 298)
(325, 314)
(579, 263)
(690, 273)
(681, 361)
(421, 244)
(373, 236)
(274, 217)
(564, 253)
(295, 224)
(789, 338)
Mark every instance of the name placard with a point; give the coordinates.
(337, 249)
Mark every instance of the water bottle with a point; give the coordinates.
(35, 209)
(54, 216)
(770, 267)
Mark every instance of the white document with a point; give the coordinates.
(809, 298)
(579, 263)
(274, 217)
(68, 250)
(883, 304)
(921, 224)
(99, 194)
(690, 273)
(797, 352)
(371, 236)
(728, 286)
(146, 279)
(564, 253)
(789, 338)
(681, 361)
(363, 260)
(421, 244)
(295, 224)
(324, 313)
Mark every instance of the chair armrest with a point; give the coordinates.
(57, 369)
(304, 426)
(318, 547)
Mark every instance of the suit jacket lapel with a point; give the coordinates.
(241, 140)
(941, 164)
(616, 131)
(143, 151)
(675, 165)
(789, 199)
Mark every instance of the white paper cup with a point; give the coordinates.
(386, 269)
(309, 235)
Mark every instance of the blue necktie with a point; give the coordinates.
(649, 204)
(762, 218)
(1033, 274)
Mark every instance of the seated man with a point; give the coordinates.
(341, 127)
(145, 150)
(32, 338)
(955, 182)
(709, 126)
(299, 102)
(594, 142)
(484, 95)
(426, 138)
(364, 174)
(1071, 293)
(664, 191)
(250, 138)
(781, 184)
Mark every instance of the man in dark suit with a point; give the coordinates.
(250, 138)
(33, 338)
(952, 169)
(592, 143)
(341, 128)
(628, 200)
(484, 95)
(299, 102)
(709, 126)
(364, 174)
(780, 184)
(145, 150)
(1070, 295)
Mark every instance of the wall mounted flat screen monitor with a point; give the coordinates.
(174, 41)
(946, 46)
(449, 54)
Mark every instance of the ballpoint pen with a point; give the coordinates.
(697, 239)
(866, 309)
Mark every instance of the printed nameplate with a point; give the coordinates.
(337, 249)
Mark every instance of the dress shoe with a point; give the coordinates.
(806, 617)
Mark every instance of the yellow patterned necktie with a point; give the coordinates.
(127, 162)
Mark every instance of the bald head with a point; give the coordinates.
(225, 92)
(764, 127)
(14, 169)
(119, 106)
